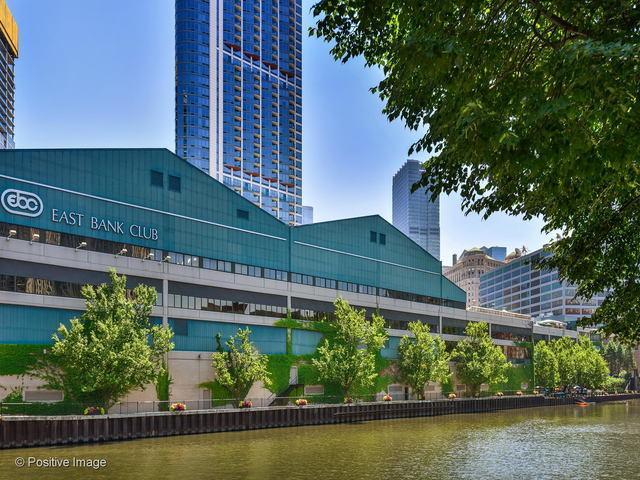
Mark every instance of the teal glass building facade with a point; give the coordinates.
(239, 97)
(69, 215)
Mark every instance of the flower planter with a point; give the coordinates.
(178, 407)
(94, 411)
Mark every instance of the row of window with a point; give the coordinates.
(128, 250)
(225, 306)
(53, 288)
(320, 316)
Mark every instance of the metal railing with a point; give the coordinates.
(133, 407)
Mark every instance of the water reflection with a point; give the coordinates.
(562, 442)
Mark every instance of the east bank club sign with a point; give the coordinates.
(28, 204)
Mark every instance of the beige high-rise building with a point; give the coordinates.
(465, 271)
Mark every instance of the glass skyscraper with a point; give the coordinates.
(414, 214)
(8, 54)
(239, 97)
(521, 288)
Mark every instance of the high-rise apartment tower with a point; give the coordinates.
(239, 97)
(8, 55)
(414, 214)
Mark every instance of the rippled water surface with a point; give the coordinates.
(562, 442)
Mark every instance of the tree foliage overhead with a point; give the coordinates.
(478, 360)
(619, 356)
(347, 358)
(240, 365)
(530, 107)
(111, 349)
(422, 359)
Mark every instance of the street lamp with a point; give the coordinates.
(12, 233)
(34, 238)
(121, 252)
(81, 245)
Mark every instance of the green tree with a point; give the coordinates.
(619, 356)
(478, 360)
(111, 349)
(422, 359)
(163, 386)
(565, 351)
(240, 365)
(592, 370)
(546, 365)
(347, 358)
(530, 107)
(579, 363)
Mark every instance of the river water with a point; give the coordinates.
(599, 441)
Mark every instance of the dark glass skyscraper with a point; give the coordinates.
(414, 214)
(8, 54)
(239, 97)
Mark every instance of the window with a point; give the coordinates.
(174, 183)
(157, 178)
(242, 269)
(383, 239)
(373, 236)
(254, 271)
(180, 327)
(242, 214)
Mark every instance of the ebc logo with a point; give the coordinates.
(20, 202)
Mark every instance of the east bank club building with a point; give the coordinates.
(217, 261)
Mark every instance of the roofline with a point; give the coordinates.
(147, 149)
(372, 216)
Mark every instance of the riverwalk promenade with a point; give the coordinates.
(38, 431)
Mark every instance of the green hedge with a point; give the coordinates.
(17, 359)
(516, 375)
(56, 408)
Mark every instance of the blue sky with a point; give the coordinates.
(96, 73)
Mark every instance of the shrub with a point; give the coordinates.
(245, 404)
(452, 396)
(301, 402)
(387, 398)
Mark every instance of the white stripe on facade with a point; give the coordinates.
(365, 258)
(140, 207)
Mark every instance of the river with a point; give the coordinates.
(599, 441)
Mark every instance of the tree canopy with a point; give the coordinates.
(546, 365)
(619, 356)
(528, 108)
(478, 360)
(111, 349)
(578, 363)
(240, 365)
(347, 358)
(422, 359)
